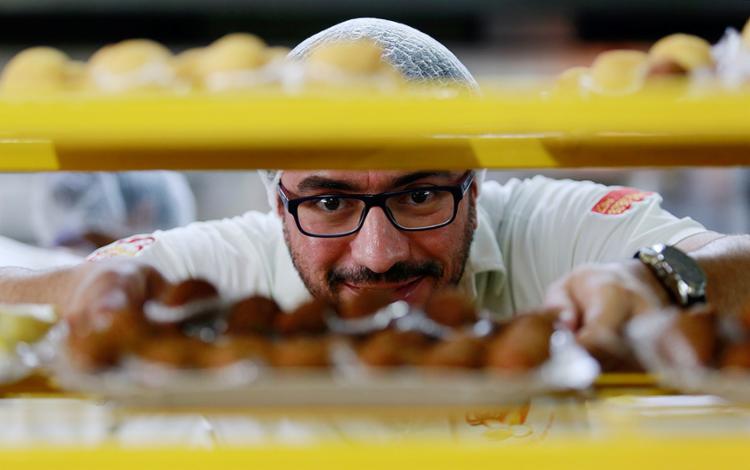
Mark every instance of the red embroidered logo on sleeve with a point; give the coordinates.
(125, 247)
(619, 201)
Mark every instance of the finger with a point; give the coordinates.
(558, 297)
(605, 307)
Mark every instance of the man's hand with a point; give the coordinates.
(596, 300)
(100, 290)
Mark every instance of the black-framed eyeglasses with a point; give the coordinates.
(412, 210)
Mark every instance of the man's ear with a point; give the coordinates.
(279, 207)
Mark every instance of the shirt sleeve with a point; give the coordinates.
(551, 226)
(237, 255)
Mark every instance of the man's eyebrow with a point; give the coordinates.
(412, 177)
(316, 182)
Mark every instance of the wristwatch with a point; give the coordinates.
(680, 274)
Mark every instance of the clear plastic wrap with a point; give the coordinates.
(675, 360)
(27, 339)
(345, 381)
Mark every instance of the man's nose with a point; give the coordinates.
(379, 245)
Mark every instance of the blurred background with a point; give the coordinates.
(520, 39)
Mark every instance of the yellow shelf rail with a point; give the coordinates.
(499, 130)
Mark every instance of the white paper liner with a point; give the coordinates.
(679, 371)
(732, 60)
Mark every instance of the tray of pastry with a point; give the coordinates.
(698, 350)
(190, 347)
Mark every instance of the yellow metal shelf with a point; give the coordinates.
(499, 130)
(684, 453)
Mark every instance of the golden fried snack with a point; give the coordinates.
(187, 291)
(618, 72)
(135, 64)
(250, 347)
(355, 62)
(252, 315)
(679, 54)
(308, 318)
(187, 65)
(393, 348)
(173, 350)
(461, 352)
(100, 342)
(37, 70)
(237, 51)
(364, 304)
(736, 356)
(450, 307)
(301, 352)
(746, 34)
(211, 355)
(237, 60)
(521, 345)
(691, 338)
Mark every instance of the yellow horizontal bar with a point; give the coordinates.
(27, 155)
(685, 454)
(246, 130)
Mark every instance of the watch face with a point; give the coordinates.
(685, 267)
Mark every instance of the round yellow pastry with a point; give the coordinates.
(618, 72)
(36, 70)
(571, 81)
(132, 64)
(238, 51)
(361, 57)
(684, 50)
(746, 34)
(187, 65)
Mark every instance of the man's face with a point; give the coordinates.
(406, 265)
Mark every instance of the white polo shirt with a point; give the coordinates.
(530, 233)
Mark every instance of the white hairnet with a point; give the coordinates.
(66, 205)
(417, 56)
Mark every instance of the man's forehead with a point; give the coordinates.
(364, 179)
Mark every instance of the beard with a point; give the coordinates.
(328, 286)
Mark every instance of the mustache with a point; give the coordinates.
(399, 272)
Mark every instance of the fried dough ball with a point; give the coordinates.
(96, 343)
(301, 352)
(461, 352)
(212, 355)
(679, 54)
(364, 304)
(571, 81)
(250, 347)
(187, 291)
(521, 345)
(746, 34)
(736, 356)
(175, 351)
(132, 64)
(618, 72)
(450, 307)
(308, 318)
(691, 338)
(37, 70)
(252, 315)
(393, 348)
(187, 65)
(237, 51)
(355, 62)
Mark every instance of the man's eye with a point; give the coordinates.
(420, 197)
(330, 203)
